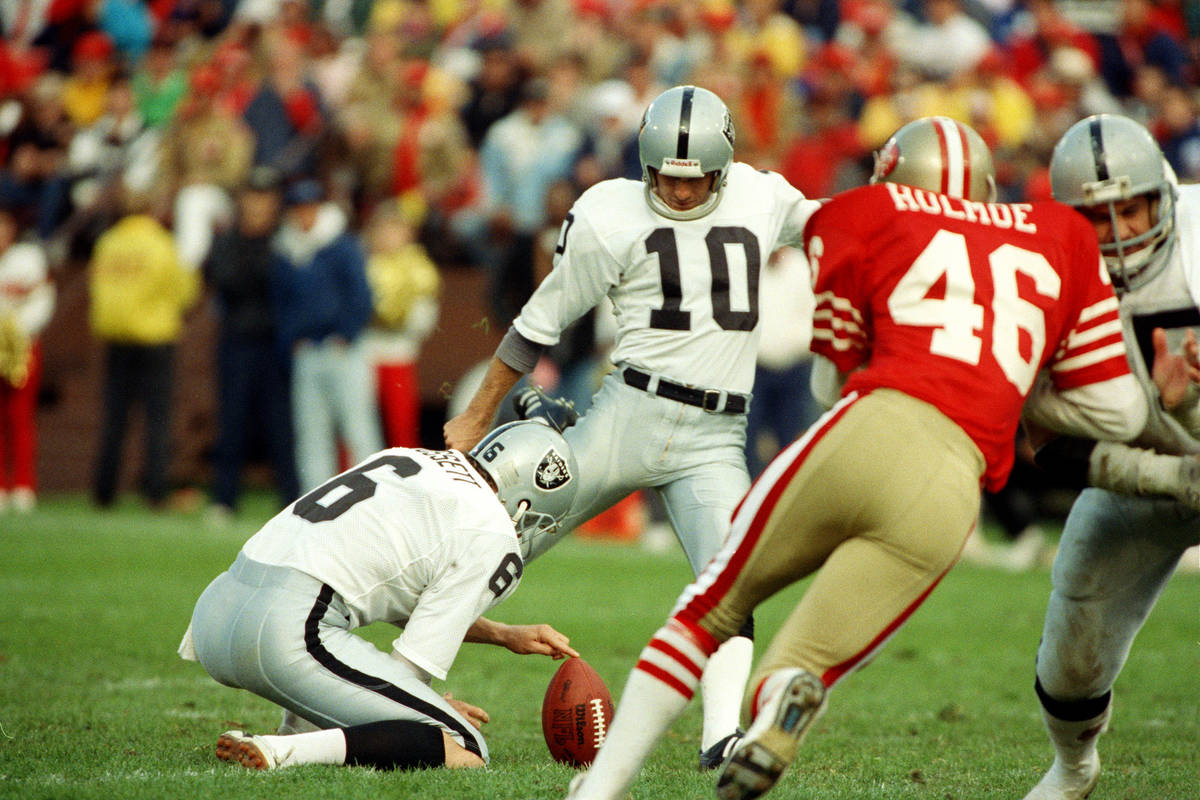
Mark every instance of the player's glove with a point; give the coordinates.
(1131, 470)
(533, 403)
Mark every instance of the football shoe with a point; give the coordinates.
(715, 756)
(1062, 782)
(772, 741)
(533, 403)
(252, 752)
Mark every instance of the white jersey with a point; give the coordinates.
(412, 537)
(1171, 300)
(685, 293)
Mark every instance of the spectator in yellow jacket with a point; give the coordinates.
(139, 293)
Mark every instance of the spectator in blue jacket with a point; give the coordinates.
(322, 304)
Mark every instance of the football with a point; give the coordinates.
(576, 713)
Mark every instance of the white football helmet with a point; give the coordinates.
(1105, 159)
(536, 478)
(686, 133)
(941, 155)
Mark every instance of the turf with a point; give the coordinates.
(94, 702)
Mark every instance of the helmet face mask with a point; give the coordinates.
(535, 476)
(686, 132)
(940, 155)
(1098, 166)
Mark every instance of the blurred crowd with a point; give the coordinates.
(441, 132)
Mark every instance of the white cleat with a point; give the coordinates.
(1068, 783)
(252, 752)
(771, 743)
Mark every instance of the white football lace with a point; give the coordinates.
(599, 723)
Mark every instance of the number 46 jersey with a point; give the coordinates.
(685, 293)
(961, 304)
(412, 537)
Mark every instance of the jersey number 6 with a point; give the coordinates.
(335, 497)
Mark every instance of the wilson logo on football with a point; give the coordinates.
(551, 472)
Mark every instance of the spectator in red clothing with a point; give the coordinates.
(409, 106)
(26, 305)
(52, 27)
(238, 84)
(862, 34)
(762, 110)
(19, 68)
(1142, 37)
(1044, 30)
(823, 158)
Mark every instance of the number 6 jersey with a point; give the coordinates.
(997, 291)
(685, 293)
(412, 537)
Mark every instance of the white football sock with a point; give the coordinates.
(1075, 741)
(317, 747)
(657, 692)
(722, 686)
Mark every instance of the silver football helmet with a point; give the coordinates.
(941, 155)
(1106, 159)
(686, 133)
(536, 479)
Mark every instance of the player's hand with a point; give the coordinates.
(474, 714)
(464, 432)
(538, 640)
(1175, 374)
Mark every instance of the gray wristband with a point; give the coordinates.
(518, 352)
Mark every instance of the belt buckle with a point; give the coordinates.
(715, 394)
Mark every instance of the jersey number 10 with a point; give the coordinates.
(671, 316)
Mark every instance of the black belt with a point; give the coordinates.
(708, 399)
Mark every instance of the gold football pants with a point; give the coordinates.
(877, 498)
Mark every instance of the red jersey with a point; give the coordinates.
(960, 304)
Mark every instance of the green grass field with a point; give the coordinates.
(94, 702)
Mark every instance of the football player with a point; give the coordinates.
(679, 254)
(426, 540)
(1118, 550)
(937, 309)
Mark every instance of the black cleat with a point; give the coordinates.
(715, 756)
(533, 403)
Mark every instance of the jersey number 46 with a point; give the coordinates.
(958, 319)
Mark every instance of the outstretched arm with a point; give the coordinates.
(1133, 470)
(465, 430)
(522, 639)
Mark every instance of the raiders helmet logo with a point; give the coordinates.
(551, 472)
(728, 129)
(886, 160)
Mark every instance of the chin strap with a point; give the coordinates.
(522, 507)
(660, 207)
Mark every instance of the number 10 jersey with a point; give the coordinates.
(685, 293)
